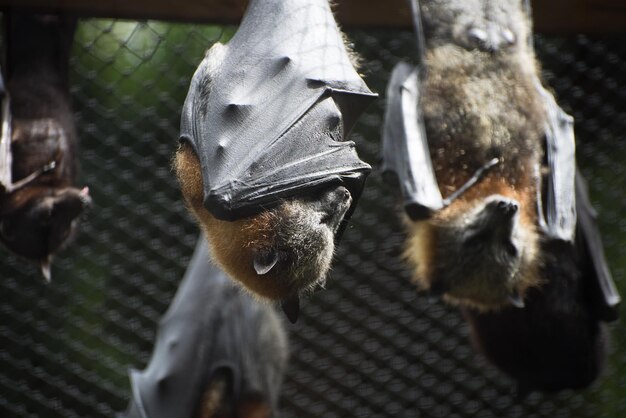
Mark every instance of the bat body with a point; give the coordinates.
(219, 353)
(39, 204)
(485, 160)
(263, 163)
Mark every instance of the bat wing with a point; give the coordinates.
(269, 123)
(5, 139)
(405, 148)
(211, 326)
(560, 197)
(604, 296)
(171, 384)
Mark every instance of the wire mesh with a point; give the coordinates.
(367, 346)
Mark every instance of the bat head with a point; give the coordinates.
(479, 257)
(486, 25)
(38, 221)
(278, 252)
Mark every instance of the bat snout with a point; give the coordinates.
(507, 207)
(334, 205)
(500, 207)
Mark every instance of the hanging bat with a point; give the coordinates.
(219, 352)
(39, 204)
(486, 163)
(263, 162)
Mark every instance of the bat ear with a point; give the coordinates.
(263, 263)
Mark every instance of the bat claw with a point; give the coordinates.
(45, 266)
(291, 308)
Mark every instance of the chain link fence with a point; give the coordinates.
(367, 346)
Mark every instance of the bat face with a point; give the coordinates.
(279, 252)
(487, 25)
(478, 252)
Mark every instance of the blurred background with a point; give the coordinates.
(367, 346)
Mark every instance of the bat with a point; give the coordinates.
(498, 221)
(263, 162)
(39, 205)
(218, 352)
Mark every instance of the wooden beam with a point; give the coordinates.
(550, 16)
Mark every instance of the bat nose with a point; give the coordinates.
(502, 207)
(507, 207)
(334, 203)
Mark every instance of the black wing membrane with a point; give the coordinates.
(405, 147)
(559, 219)
(5, 139)
(605, 299)
(210, 327)
(272, 123)
(560, 194)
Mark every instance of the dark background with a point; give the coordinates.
(368, 345)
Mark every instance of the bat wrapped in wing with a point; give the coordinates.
(263, 145)
(39, 203)
(218, 352)
(485, 159)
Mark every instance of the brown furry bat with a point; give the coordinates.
(480, 102)
(500, 222)
(39, 205)
(263, 163)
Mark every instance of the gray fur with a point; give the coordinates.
(480, 101)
